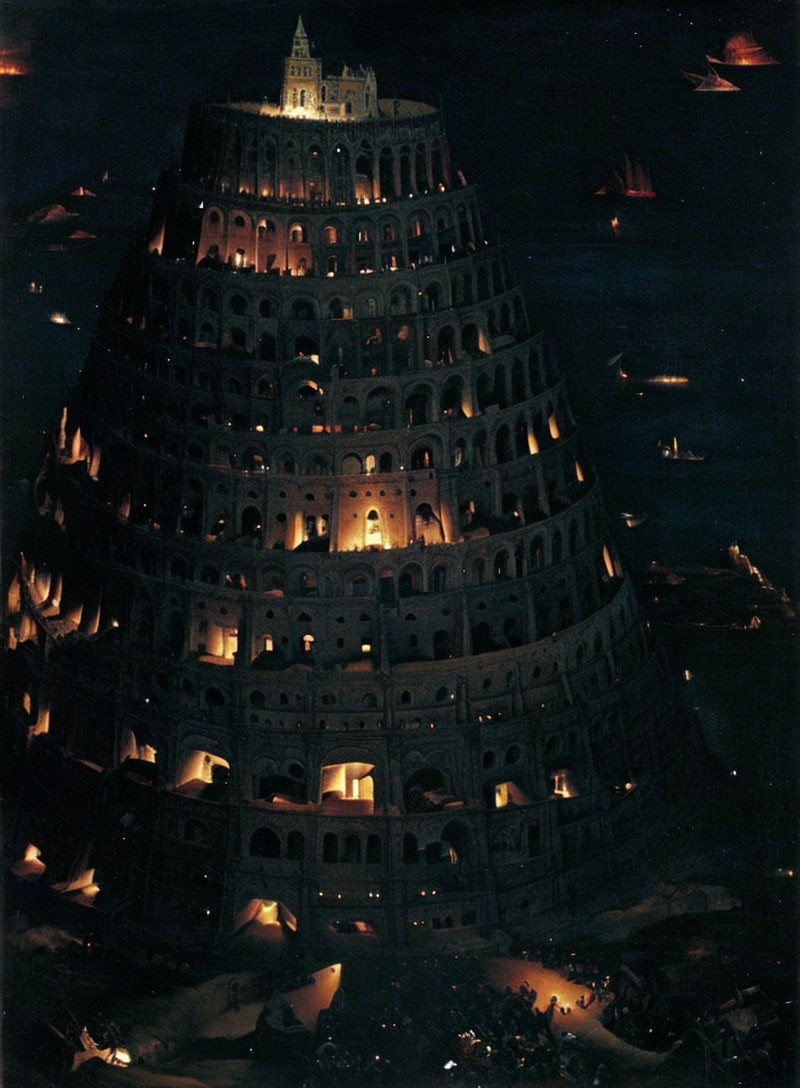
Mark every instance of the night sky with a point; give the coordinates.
(541, 102)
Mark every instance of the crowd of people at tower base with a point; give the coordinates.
(430, 1020)
(434, 1018)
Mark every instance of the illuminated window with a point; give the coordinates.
(269, 644)
(373, 537)
(308, 643)
(203, 767)
(348, 782)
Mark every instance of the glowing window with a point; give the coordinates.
(348, 782)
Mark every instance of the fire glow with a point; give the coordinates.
(742, 50)
(665, 379)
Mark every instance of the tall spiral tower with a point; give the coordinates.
(318, 627)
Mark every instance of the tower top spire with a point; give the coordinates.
(300, 40)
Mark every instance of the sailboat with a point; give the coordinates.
(743, 51)
(671, 452)
(711, 81)
(630, 180)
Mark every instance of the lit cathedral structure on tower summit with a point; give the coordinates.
(319, 625)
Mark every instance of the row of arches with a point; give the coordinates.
(512, 623)
(371, 343)
(324, 164)
(615, 636)
(533, 548)
(532, 432)
(301, 245)
(434, 294)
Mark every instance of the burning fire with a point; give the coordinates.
(12, 62)
(743, 50)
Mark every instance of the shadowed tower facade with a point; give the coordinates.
(318, 624)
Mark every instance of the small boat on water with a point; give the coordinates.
(632, 521)
(653, 380)
(711, 81)
(671, 452)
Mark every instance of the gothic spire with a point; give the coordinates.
(300, 41)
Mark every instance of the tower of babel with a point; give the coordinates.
(318, 625)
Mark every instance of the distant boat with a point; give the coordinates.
(54, 213)
(671, 452)
(711, 81)
(633, 382)
(743, 51)
(631, 521)
(631, 179)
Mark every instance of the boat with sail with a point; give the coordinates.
(629, 179)
(670, 451)
(711, 81)
(743, 51)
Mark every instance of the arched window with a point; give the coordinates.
(251, 521)
(264, 843)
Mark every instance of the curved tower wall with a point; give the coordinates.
(320, 607)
